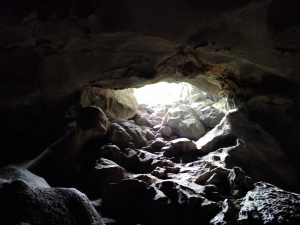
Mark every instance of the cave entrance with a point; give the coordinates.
(178, 103)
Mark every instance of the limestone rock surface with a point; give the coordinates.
(211, 116)
(121, 132)
(183, 145)
(36, 205)
(185, 122)
(267, 204)
(238, 142)
(104, 173)
(115, 103)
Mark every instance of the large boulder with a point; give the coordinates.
(115, 103)
(190, 93)
(267, 204)
(185, 122)
(121, 132)
(238, 142)
(21, 203)
(104, 173)
(211, 116)
(197, 106)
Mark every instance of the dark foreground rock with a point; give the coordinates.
(267, 204)
(27, 199)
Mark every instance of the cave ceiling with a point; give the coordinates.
(59, 46)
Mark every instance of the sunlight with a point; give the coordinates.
(160, 93)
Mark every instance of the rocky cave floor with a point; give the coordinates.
(141, 171)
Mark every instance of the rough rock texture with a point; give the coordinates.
(211, 116)
(185, 122)
(197, 106)
(11, 173)
(183, 145)
(165, 131)
(104, 173)
(126, 158)
(115, 103)
(238, 142)
(36, 205)
(190, 93)
(267, 204)
(121, 132)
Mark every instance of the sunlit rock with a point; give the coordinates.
(211, 116)
(190, 93)
(185, 122)
(197, 106)
(115, 103)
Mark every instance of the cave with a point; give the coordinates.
(77, 148)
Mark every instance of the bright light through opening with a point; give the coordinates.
(160, 93)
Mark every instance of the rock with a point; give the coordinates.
(116, 103)
(104, 173)
(187, 158)
(267, 204)
(239, 142)
(143, 121)
(12, 173)
(157, 127)
(169, 151)
(161, 163)
(188, 91)
(214, 179)
(157, 145)
(183, 145)
(165, 131)
(185, 122)
(228, 215)
(239, 183)
(211, 116)
(149, 135)
(147, 178)
(198, 106)
(149, 149)
(133, 198)
(122, 132)
(158, 135)
(126, 158)
(160, 173)
(197, 97)
(92, 123)
(220, 105)
(36, 205)
(146, 157)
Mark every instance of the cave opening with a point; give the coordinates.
(78, 147)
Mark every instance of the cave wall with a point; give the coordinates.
(246, 50)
